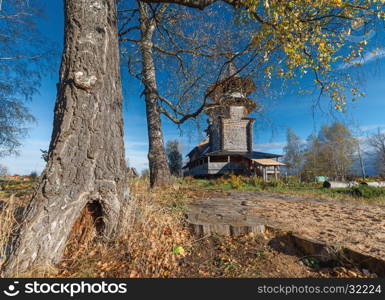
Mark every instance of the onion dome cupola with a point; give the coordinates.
(231, 90)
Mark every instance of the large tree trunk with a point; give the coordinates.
(159, 170)
(86, 157)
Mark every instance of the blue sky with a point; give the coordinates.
(290, 110)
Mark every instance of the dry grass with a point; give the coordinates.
(305, 190)
(149, 244)
(11, 210)
(154, 241)
(7, 219)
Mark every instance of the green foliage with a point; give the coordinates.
(178, 203)
(275, 183)
(368, 192)
(261, 254)
(174, 157)
(178, 250)
(235, 182)
(293, 181)
(16, 187)
(293, 186)
(256, 182)
(231, 181)
(311, 262)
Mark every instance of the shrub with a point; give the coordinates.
(256, 181)
(367, 192)
(275, 183)
(221, 180)
(293, 181)
(362, 191)
(33, 176)
(187, 179)
(236, 182)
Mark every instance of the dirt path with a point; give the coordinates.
(358, 227)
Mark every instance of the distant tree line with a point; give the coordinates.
(331, 153)
(377, 142)
(174, 157)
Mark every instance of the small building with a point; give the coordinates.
(228, 146)
(266, 168)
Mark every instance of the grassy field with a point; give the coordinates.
(155, 240)
(16, 187)
(362, 194)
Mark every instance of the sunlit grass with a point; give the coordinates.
(367, 195)
(155, 241)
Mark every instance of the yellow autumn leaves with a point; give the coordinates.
(299, 37)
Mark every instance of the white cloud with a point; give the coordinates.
(367, 58)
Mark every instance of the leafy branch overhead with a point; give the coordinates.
(189, 49)
(313, 37)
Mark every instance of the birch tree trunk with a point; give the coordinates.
(159, 170)
(86, 156)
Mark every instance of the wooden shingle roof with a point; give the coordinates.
(267, 162)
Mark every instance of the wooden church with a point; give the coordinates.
(228, 147)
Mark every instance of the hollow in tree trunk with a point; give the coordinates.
(86, 156)
(159, 170)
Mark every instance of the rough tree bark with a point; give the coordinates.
(159, 170)
(86, 157)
